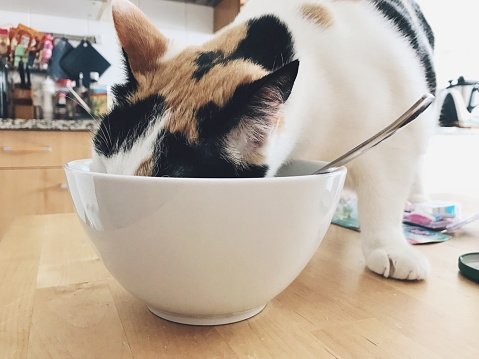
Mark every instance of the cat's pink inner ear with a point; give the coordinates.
(247, 140)
(138, 36)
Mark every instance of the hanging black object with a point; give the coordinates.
(3, 88)
(84, 58)
(61, 49)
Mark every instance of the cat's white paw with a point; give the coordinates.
(400, 262)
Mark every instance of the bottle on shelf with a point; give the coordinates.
(62, 91)
(48, 91)
(98, 96)
(61, 106)
(82, 91)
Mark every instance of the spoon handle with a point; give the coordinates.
(410, 115)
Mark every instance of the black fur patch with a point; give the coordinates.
(398, 14)
(206, 61)
(268, 43)
(247, 102)
(125, 124)
(122, 91)
(425, 25)
(174, 156)
(211, 123)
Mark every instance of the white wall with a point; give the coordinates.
(185, 23)
(455, 23)
(456, 26)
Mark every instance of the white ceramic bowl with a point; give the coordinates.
(206, 251)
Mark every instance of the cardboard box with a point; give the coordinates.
(22, 94)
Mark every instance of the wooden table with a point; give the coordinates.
(58, 301)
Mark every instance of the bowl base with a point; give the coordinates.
(207, 320)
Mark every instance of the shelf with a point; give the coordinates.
(48, 125)
(32, 71)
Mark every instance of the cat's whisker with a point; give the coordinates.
(82, 106)
(99, 130)
(108, 132)
(103, 132)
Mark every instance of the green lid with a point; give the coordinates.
(469, 266)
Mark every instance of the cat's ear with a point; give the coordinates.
(259, 107)
(143, 44)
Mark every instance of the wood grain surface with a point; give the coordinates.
(58, 301)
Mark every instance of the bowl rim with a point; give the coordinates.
(70, 167)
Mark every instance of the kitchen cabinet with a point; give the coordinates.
(31, 171)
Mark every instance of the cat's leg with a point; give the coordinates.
(383, 179)
(418, 191)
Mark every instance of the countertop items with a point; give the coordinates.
(469, 266)
(56, 297)
(48, 125)
(25, 51)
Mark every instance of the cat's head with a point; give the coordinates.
(198, 112)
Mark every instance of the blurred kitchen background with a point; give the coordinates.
(49, 47)
(56, 54)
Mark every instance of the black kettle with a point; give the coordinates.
(460, 99)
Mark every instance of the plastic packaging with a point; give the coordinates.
(48, 89)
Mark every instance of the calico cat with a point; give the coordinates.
(287, 79)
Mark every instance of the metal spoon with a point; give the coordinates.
(410, 115)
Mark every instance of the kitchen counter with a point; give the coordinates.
(57, 300)
(48, 125)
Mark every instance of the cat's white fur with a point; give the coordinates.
(355, 77)
(127, 162)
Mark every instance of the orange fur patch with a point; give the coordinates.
(139, 37)
(145, 169)
(318, 14)
(184, 95)
(227, 40)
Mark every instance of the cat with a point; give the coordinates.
(287, 79)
